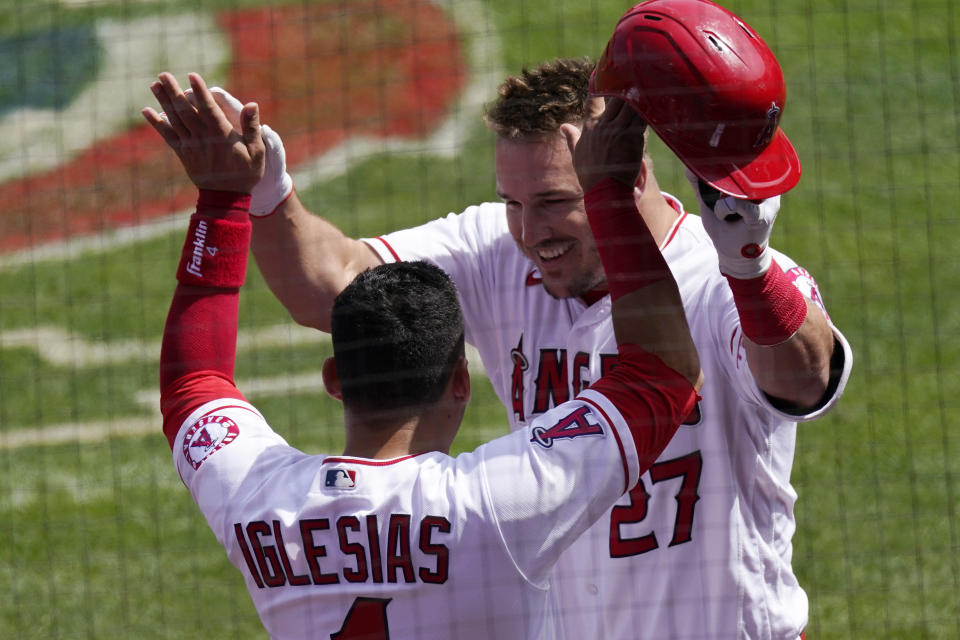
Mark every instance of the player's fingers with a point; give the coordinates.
(749, 210)
(191, 97)
(595, 106)
(726, 209)
(768, 209)
(181, 106)
(207, 108)
(169, 112)
(636, 122)
(162, 126)
(752, 211)
(250, 126)
(710, 199)
(571, 133)
(230, 106)
(626, 118)
(612, 111)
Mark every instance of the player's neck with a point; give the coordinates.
(384, 437)
(655, 210)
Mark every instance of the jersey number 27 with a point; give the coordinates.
(687, 468)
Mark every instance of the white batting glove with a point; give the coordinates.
(276, 184)
(740, 229)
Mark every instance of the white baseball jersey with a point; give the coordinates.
(417, 547)
(701, 548)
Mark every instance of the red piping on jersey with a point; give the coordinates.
(389, 248)
(372, 463)
(616, 435)
(533, 279)
(673, 202)
(673, 232)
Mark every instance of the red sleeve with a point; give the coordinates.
(652, 398)
(631, 257)
(200, 334)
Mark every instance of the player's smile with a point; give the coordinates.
(553, 251)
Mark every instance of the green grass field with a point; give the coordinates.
(100, 538)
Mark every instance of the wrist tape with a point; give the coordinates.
(218, 241)
(771, 309)
(630, 255)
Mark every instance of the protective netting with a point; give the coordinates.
(379, 103)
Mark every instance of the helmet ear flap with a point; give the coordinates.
(711, 89)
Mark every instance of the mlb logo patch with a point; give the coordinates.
(207, 436)
(340, 478)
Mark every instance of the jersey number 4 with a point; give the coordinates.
(367, 619)
(687, 468)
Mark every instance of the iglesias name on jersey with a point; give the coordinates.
(702, 545)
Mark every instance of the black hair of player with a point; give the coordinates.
(397, 334)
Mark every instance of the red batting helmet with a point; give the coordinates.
(711, 89)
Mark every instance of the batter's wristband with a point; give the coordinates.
(771, 309)
(218, 241)
(630, 255)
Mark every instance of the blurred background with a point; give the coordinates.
(379, 103)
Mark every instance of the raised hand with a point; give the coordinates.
(740, 229)
(609, 146)
(215, 153)
(276, 185)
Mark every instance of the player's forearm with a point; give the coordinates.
(788, 341)
(647, 307)
(200, 333)
(796, 371)
(306, 261)
(652, 318)
(201, 328)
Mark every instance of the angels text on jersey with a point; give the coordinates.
(550, 380)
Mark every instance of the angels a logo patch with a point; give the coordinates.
(207, 436)
(578, 423)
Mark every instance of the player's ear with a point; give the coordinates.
(460, 381)
(331, 381)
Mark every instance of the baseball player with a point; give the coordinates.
(701, 548)
(394, 538)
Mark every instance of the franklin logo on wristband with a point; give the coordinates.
(199, 239)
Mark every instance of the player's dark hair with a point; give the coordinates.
(397, 334)
(539, 100)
